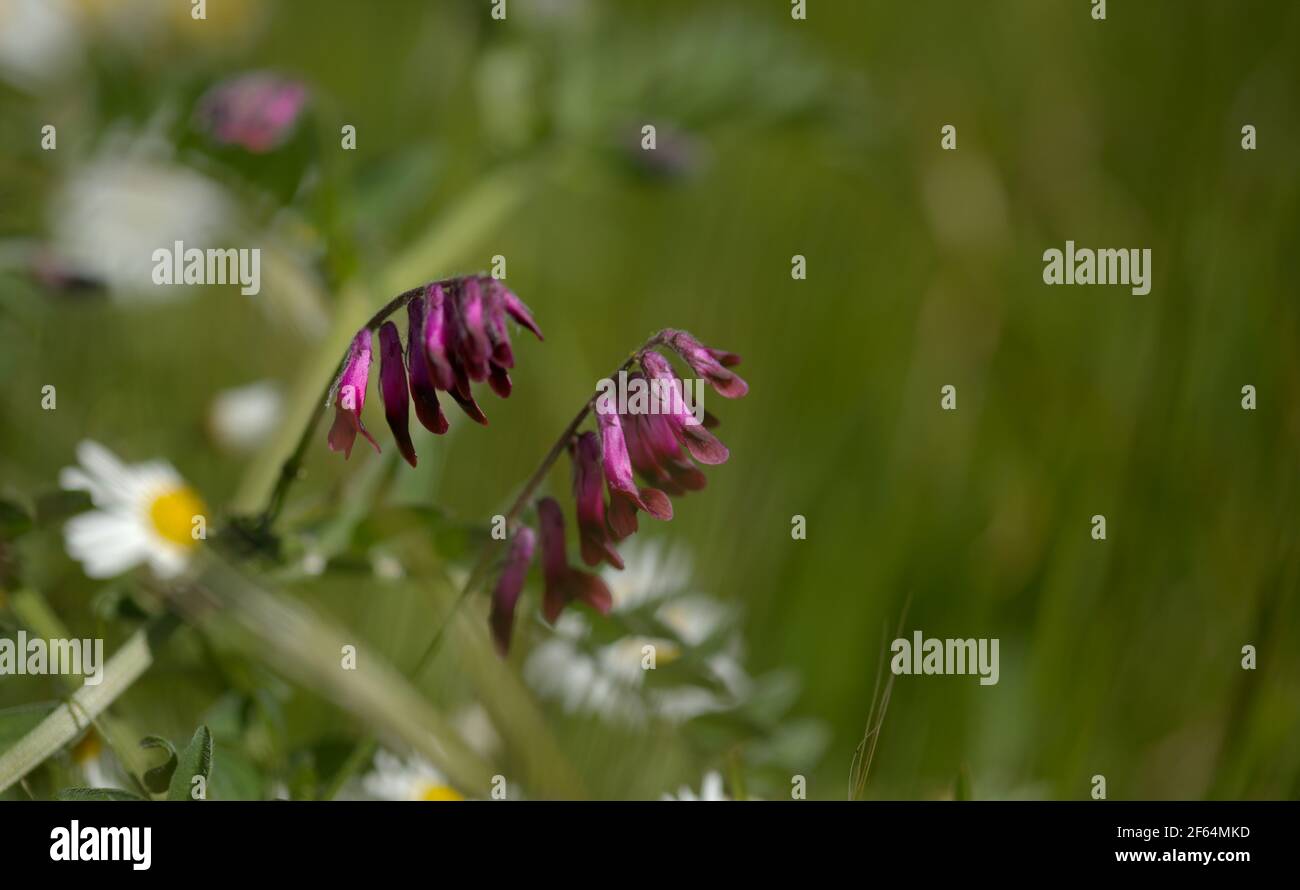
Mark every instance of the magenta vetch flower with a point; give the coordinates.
(711, 364)
(456, 334)
(509, 586)
(702, 444)
(656, 441)
(565, 584)
(393, 390)
(349, 395)
(256, 111)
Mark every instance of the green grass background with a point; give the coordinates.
(1119, 657)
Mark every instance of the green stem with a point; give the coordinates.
(70, 719)
(292, 467)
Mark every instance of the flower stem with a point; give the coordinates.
(292, 466)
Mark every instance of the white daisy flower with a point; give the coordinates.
(609, 680)
(145, 513)
(396, 779)
(242, 418)
(111, 214)
(710, 789)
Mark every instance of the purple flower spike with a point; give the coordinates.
(590, 497)
(423, 391)
(710, 364)
(565, 584)
(624, 496)
(392, 389)
(255, 111)
(509, 586)
(350, 396)
(702, 444)
(456, 334)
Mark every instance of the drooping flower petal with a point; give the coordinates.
(349, 393)
(494, 312)
(468, 405)
(393, 390)
(625, 498)
(666, 452)
(564, 584)
(436, 336)
(589, 495)
(499, 380)
(509, 586)
(470, 334)
(519, 312)
(423, 391)
(702, 444)
(707, 364)
(726, 359)
(644, 461)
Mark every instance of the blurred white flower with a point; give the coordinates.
(610, 679)
(475, 727)
(386, 566)
(242, 418)
(710, 789)
(111, 214)
(651, 572)
(144, 514)
(39, 40)
(97, 766)
(396, 779)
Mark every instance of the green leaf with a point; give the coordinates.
(96, 794)
(196, 761)
(158, 780)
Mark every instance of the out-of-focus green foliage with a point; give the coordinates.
(818, 138)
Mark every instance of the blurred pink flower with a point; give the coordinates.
(255, 111)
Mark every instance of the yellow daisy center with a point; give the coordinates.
(431, 791)
(87, 749)
(173, 512)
